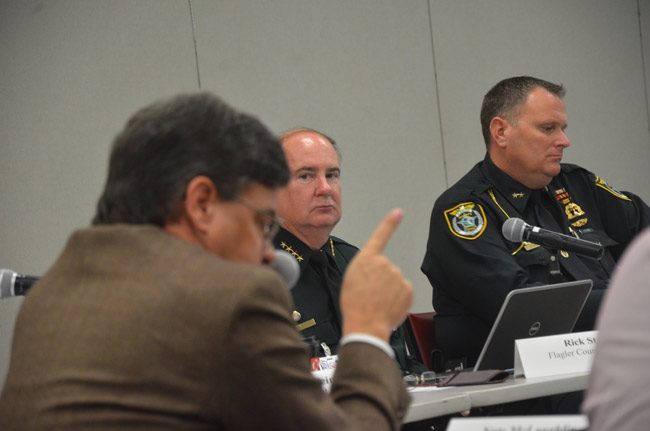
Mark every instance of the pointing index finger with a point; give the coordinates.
(383, 232)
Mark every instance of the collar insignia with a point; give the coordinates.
(286, 247)
(518, 195)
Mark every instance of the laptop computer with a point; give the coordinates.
(535, 311)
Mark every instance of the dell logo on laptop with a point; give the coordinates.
(534, 329)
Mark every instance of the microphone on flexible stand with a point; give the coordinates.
(14, 284)
(516, 230)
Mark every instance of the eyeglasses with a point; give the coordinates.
(267, 219)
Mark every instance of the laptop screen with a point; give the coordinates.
(534, 311)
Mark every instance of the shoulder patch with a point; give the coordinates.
(603, 185)
(466, 220)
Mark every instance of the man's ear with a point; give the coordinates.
(200, 196)
(499, 128)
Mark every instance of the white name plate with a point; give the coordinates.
(555, 354)
(520, 423)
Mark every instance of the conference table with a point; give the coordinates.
(432, 402)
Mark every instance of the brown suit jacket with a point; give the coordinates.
(135, 329)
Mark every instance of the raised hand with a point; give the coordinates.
(375, 296)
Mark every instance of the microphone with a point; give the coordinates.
(517, 230)
(14, 284)
(285, 265)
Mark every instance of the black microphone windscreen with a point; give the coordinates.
(287, 267)
(513, 229)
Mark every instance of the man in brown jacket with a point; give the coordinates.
(162, 315)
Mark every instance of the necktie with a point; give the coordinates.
(542, 207)
(326, 266)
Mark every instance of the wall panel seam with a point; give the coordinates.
(196, 51)
(437, 96)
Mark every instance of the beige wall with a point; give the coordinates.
(398, 84)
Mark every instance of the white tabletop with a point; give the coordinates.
(440, 402)
(437, 402)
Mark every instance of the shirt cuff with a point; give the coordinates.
(358, 337)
